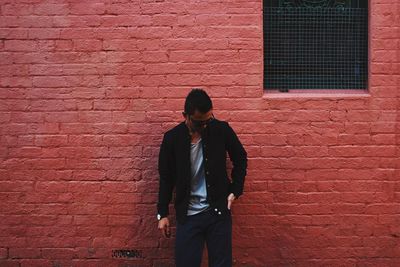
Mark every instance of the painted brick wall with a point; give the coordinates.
(88, 88)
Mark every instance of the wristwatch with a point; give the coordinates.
(158, 217)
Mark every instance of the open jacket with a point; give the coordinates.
(175, 170)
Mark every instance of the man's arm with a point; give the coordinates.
(238, 156)
(166, 166)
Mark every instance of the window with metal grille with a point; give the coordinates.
(315, 44)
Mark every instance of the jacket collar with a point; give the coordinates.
(185, 129)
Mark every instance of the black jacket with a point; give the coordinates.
(174, 167)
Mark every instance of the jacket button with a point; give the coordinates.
(208, 173)
(208, 185)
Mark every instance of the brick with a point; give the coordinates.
(3, 253)
(120, 44)
(50, 82)
(20, 45)
(17, 9)
(383, 139)
(212, 19)
(247, 19)
(16, 82)
(150, 32)
(183, 79)
(18, 186)
(9, 263)
(44, 33)
(127, 21)
(123, 220)
(27, 117)
(21, 253)
(161, 68)
(95, 116)
(84, 152)
(166, 8)
(186, 20)
(51, 140)
(58, 253)
(77, 33)
(383, 127)
(87, 8)
(186, 56)
(163, 19)
(154, 56)
(87, 45)
(35, 263)
(233, 31)
(119, 81)
(50, 9)
(25, 152)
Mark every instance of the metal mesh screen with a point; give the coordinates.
(315, 47)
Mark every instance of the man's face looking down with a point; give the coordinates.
(198, 121)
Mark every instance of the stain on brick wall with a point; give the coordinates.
(88, 88)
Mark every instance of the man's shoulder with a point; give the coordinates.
(224, 127)
(175, 130)
(221, 123)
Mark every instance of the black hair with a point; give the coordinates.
(197, 99)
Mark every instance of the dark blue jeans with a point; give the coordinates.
(208, 227)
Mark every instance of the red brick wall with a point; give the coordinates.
(88, 89)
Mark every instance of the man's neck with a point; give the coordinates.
(195, 136)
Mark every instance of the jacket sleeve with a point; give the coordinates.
(166, 166)
(238, 156)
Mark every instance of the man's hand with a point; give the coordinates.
(163, 225)
(231, 198)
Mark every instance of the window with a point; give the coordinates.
(315, 44)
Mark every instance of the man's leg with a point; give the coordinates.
(219, 241)
(189, 243)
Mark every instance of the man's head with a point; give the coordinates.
(198, 110)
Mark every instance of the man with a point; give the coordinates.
(192, 160)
